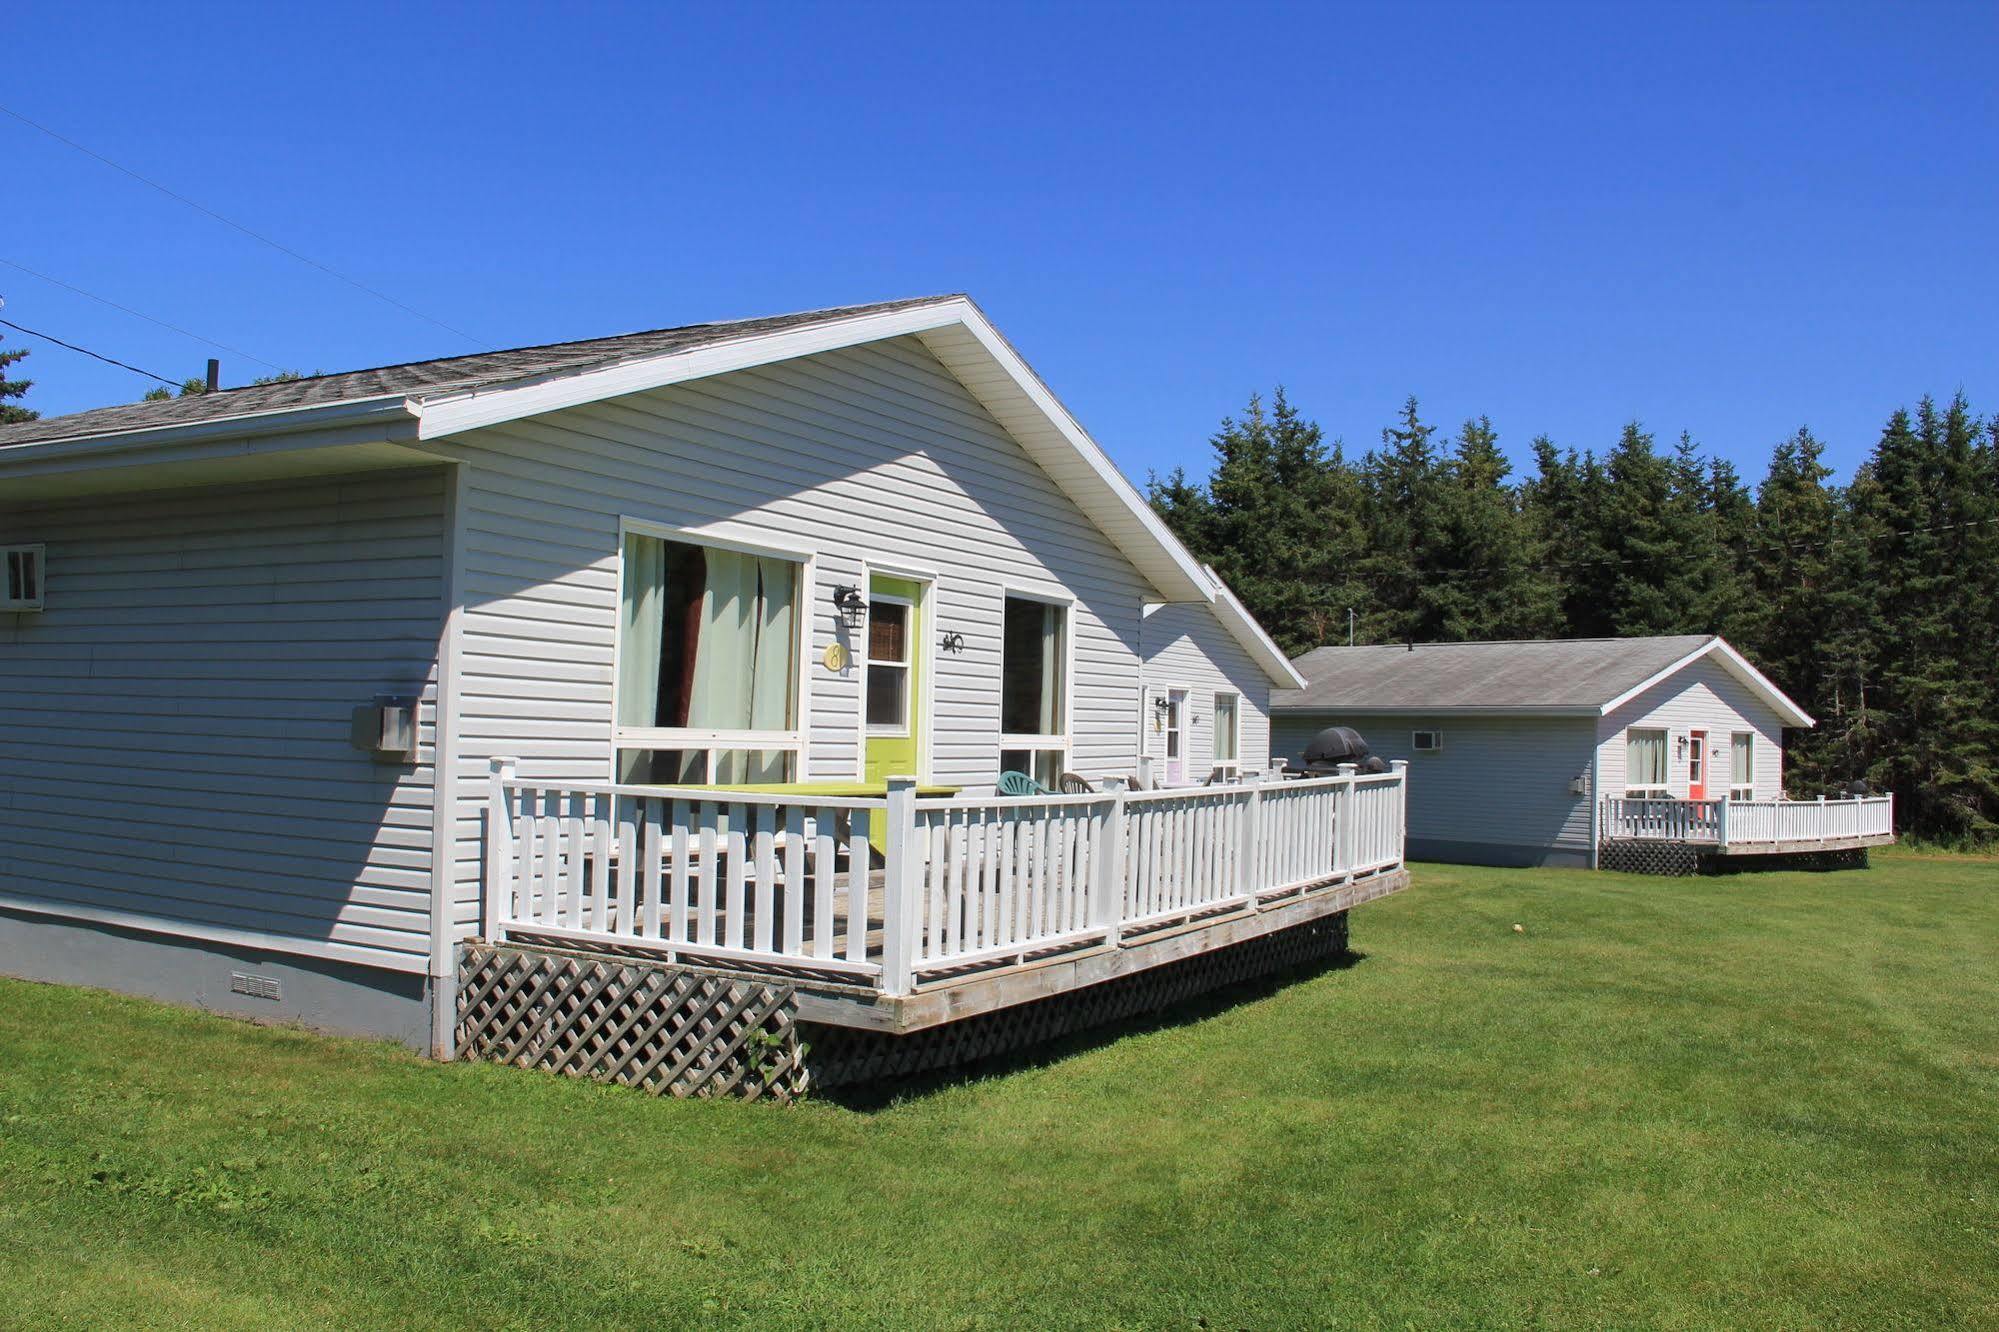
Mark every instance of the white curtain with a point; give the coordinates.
(1645, 758)
(641, 607)
(1225, 728)
(771, 653)
(1742, 768)
(727, 648)
(1051, 670)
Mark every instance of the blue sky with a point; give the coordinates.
(1730, 220)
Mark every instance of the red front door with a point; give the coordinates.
(1697, 765)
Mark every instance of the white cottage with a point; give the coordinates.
(1533, 753)
(303, 685)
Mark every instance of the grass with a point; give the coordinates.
(1763, 1101)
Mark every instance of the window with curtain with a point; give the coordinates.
(1033, 699)
(1742, 766)
(707, 664)
(1645, 763)
(1228, 740)
(888, 667)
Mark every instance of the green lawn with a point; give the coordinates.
(1765, 1101)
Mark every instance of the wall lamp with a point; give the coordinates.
(853, 607)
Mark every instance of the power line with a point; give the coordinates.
(238, 226)
(140, 314)
(108, 360)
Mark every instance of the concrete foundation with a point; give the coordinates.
(327, 996)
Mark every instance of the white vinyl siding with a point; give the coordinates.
(1702, 697)
(1186, 647)
(874, 455)
(175, 726)
(1498, 781)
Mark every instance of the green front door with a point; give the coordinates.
(892, 684)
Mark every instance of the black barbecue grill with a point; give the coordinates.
(1327, 750)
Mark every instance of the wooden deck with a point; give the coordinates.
(979, 903)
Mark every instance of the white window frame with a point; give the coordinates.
(1744, 792)
(1436, 745)
(30, 551)
(1043, 744)
(711, 742)
(1632, 791)
(911, 627)
(1228, 765)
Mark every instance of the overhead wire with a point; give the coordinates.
(100, 356)
(140, 314)
(238, 226)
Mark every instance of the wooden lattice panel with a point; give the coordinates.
(1635, 856)
(666, 1030)
(841, 1056)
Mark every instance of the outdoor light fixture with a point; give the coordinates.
(1160, 706)
(1682, 746)
(953, 641)
(853, 607)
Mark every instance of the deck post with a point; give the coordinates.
(1247, 822)
(1145, 772)
(1107, 904)
(499, 846)
(899, 869)
(1400, 767)
(1721, 823)
(1343, 806)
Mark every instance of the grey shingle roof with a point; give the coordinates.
(1525, 676)
(421, 377)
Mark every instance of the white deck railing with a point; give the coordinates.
(1748, 822)
(786, 880)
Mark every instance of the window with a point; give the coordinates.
(1645, 764)
(707, 664)
(22, 588)
(888, 666)
(1742, 766)
(1228, 739)
(1034, 713)
(1426, 742)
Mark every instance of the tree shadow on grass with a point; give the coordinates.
(1029, 1051)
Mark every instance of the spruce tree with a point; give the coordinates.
(1402, 489)
(13, 389)
(1483, 578)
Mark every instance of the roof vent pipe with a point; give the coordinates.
(214, 375)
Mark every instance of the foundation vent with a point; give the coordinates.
(257, 987)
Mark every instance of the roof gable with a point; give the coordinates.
(447, 397)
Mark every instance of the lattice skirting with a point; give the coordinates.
(1853, 858)
(1679, 859)
(666, 1030)
(1676, 859)
(844, 1056)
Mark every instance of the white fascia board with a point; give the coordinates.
(1235, 617)
(1433, 710)
(85, 448)
(1098, 488)
(454, 412)
(1735, 664)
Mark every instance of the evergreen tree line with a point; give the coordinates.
(1875, 603)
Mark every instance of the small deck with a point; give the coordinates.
(1752, 827)
(979, 903)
